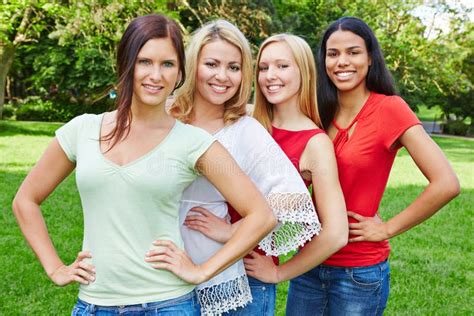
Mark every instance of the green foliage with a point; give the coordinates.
(72, 62)
(8, 111)
(37, 109)
(69, 47)
(457, 127)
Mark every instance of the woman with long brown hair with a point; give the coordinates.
(132, 166)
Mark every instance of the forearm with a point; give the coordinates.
(248, 232)
(433, 198)
(34, 229)
(314, 253)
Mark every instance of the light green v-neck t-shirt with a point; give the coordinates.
(127, 207)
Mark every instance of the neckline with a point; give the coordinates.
(138, 159)
(299, 131)
(348, 127)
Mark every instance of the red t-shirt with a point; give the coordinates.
(293, 144)
(364, 161)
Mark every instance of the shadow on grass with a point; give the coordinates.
(11, 128)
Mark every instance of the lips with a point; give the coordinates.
(274, 88)
(344, 75)
(152, 88)
(219, 88)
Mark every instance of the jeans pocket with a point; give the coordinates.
(368, 277)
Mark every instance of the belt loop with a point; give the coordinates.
(92, 309)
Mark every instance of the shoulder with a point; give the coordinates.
(249, 121)
(390, 103)
(189, 134)
(83, 121)
(319, 143)
(394, 111)
(318, 153)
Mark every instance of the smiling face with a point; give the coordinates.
(219, 72)
(347, 61)
(156, 72)
(279, 77)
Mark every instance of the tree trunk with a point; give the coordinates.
(7, 51)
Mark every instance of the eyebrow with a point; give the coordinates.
(166, 59)
(352, 47)
(220, 61)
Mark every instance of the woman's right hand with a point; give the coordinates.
(210, 225)
(78, 271)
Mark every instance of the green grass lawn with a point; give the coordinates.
(432, 264)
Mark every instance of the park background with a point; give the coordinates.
(57, 61)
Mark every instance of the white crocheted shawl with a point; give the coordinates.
(260, 157)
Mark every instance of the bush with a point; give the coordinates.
(8, 111)
(36, 109)
(457, 127)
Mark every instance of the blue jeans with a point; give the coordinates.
(186, 305)
(263, 300)
(328, 290)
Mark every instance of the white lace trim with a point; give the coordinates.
(220, 298)
(297, 223)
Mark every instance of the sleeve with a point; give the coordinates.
(199, 142)
(282, 186)
(68, 137)
(396, 117)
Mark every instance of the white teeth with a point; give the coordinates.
(219, 88)
(344, 74)
(155, 88)
(274, 87)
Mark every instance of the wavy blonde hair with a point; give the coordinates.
(307, 98)
(235, 107)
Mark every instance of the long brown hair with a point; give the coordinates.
(307, 98)
(138, 32)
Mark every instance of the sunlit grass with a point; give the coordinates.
(431, 264)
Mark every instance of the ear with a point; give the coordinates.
(370, 61)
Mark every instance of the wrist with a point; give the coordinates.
(51, 271)
(278, 275)
(205, 273)
(389, 230)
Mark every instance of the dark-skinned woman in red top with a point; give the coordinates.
(367, 123)
(286, 105)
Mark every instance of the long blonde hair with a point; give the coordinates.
(235, 107)
(307, 98)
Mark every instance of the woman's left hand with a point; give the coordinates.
(169, 257)
(368, 228)
(261, 268)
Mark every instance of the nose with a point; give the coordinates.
(155, 74)
(271, 74)
(342, 60)
(221, 73)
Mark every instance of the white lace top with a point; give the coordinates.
(260, 157)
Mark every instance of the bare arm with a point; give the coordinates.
(319, 159)
(223, 172)
(45, 176)
(443, 186)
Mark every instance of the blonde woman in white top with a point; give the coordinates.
(214, 97)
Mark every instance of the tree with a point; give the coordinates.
(20, 22)
(74, 53)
